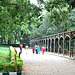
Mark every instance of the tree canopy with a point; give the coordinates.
(59, 17)
(21, 19)
(16, 16)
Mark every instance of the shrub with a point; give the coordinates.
(10, 67)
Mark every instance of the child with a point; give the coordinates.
(33, 51)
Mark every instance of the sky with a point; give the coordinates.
(34, 1)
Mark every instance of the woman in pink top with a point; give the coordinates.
(43, 49)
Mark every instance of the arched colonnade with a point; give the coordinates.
(58, 43)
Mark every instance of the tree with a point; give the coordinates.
(59, 17)
(17, 15)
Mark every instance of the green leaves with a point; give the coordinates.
(17, 15)
(57, 18)
(19, 18)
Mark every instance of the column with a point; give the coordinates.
(43, 41)
(63, 46)
(54, 45)
(47, 44)
(51, 45)
(58, 46)
(70, 47)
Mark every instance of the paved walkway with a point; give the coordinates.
(46, 64)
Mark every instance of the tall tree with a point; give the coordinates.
(17, 15)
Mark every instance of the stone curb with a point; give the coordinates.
(13, 73)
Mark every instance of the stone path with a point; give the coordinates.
(46, 64)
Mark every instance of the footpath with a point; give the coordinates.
(46, 64)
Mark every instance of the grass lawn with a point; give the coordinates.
(4, 60)
(4, 54)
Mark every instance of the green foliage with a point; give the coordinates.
(27, 20)
(10, 67)
(19, 61)
(4, 67)
(4, 54)
(72, 20)
(4, 60)
(16, 15)
(59, 17)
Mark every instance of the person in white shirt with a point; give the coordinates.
(26, 47)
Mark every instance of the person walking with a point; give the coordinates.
(26, 47)
(33, 51)
(43, 50)
(20, 46)
(38, 49)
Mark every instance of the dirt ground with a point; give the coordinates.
(46, 64)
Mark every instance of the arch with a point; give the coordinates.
(57, 37)
(56, 45)
(53, 38)
(61, 45)
(73, 47)
(52, 46)
(50, 38)
(66, 45)
(67, 36)
(61, 37)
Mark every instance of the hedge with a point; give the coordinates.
(10, 67)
